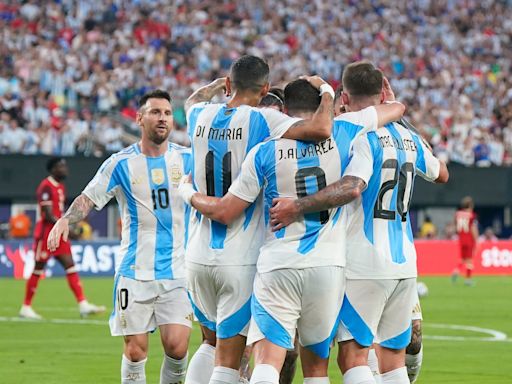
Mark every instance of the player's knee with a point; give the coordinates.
(350, 357)
(176, 347)
(135, 352)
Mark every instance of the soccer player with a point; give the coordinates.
(51, 196)
(301, 267)
(381, 259)
(273, 99)
(467, 232)
(221, 259)
(149, 288)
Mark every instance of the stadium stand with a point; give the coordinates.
(70, 70)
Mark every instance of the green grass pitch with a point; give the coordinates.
(63, 350)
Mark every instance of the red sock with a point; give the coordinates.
(469, 271)
(75, 285)
(31, 287)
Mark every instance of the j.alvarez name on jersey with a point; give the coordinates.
(315, 149)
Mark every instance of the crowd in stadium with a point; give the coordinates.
(71, 70)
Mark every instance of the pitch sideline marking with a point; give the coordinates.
(53, 321)
(494, 334)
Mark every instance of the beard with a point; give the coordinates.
(158, 138)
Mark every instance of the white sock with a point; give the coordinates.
(201, 365)
(224, 375)
(173, 371)
(132, 372)
(373, 361)
(316, 380)
(396, 376)
(359, 375)
(413, 364)
(264, 374)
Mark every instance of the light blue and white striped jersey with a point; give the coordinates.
(221, 137)
(154, 217)
(380, 240)
(293, 169)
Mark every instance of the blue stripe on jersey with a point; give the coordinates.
(136, 148)
(336, 216)
(159, 186)
(201, 317)
(249, 211)
(259, 130)
(312, 220)
(122, 173)
(344, 133)
(267, 155)
(395, 232)
(219, 148)
(114, 298)
(371, 193)
(192, 121)
(234, 324)
(420, 155)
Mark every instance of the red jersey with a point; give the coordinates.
(49, 193)
(464, 220)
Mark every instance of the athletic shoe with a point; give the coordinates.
(87, 308)
(27, 312)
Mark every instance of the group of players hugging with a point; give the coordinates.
(283, 229)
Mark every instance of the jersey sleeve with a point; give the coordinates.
(192, 115)
(360, 122)
(102, 186)
(45, 196)
(249, 182)
(361, 161)
(427, 165)
(278, 123)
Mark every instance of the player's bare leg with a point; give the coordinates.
(75, 285)
(289, 366)
(353, 363)
(414, 352)
(175, 339)
(314, 367)
(269, 359)
(245, 365)
(202, 363)
(134, 359)
(26, 310)
(228, 355)
(392, 365)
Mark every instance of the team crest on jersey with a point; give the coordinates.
(157, 175)
(175, 175)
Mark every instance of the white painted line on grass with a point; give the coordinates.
(494, 334)
(53, 321)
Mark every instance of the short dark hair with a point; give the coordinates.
(249, 73)
(52, 162)
(274, 97)
(467, 202)
(362, 79)
(154, 94)
(301, 96)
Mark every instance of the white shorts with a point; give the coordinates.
(378, 311)
(416, 311)
(221, 297)
(141, 306)
(307, 300)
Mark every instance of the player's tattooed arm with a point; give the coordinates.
(207, 92)
(48, 214)
(286, 211)
(79, 209)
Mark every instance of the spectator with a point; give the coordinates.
(20, 226)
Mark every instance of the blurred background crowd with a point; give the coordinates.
(72, 70)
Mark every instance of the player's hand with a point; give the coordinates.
(186, 189)
(283, 212)
(389, 95)
(315, 81)
(60, 229)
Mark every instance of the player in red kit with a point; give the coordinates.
(467, 231)
(51, 195)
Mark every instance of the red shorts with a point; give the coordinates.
(42, 253)
(466, 251)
